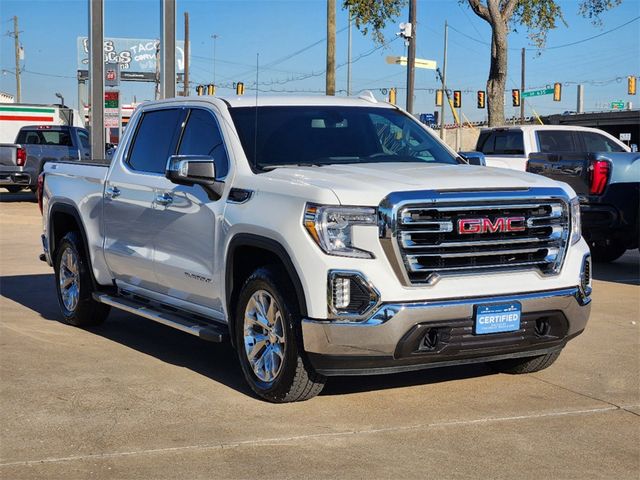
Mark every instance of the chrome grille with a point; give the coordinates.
(422, 237)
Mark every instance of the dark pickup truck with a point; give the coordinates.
(21, 162)
(608, 186)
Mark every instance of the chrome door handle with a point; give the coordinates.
(112, 192)
(164, 199)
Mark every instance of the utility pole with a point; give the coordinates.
(96, 77)
(16, 37)
(444, 79)
(215, 37)
(580, 103)
(185, 88)
(522, 87)
(349, 53)
(167, 48)
(157, 75)
(411, 56)
(330, 87)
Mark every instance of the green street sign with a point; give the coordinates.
(617, 105)
(537, 93)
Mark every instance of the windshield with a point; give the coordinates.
(317, 135)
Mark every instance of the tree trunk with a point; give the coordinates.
(497, 74)
(331, 48)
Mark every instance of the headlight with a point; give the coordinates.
(576, 226)
(332, 228)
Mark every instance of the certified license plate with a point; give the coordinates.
(497, 318)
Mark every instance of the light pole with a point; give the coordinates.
(215, 37)
(59, 95)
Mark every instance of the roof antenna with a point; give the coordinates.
(255, 128)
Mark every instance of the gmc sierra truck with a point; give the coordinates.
(323, 236)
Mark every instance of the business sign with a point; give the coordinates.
(112, 75)
(136, 57)
(538, 93)
(625, 137)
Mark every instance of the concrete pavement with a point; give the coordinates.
(133, 399)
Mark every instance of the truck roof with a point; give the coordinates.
(529, 128)
(365, 100)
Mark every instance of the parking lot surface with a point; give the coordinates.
(134, 399)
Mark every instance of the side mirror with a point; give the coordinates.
(191, 170)
(474, 158)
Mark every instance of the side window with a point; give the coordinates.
(155, 140)
(509, 143)
(202, 137)
(84, 139)
(594, 142)
(486, 141)
(552, 141)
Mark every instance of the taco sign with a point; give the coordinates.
(136, 57)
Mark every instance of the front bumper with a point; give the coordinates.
(393, 338)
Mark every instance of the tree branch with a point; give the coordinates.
(508, 9)
(480, 10)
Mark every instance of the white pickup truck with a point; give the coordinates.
(324, 236)
(510, 147)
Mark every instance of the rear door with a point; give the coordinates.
(130, 226)
(503, 148)
(189, 221)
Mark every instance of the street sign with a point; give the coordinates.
(538, 93)
(625, 137)
(619, 105)
(428, 118)
(420, 62)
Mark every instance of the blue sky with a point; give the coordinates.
(277, 29)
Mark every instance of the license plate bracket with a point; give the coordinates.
(497, 318)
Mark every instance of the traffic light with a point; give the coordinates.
(557, 92)
(392, 96)
(515, 97)
(200, 90)
(457, 99)
(438, 98)
(239, 88)
(481, 99)
(631, 85)
(211, 89)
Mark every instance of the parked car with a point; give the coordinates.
(510, 147)
(22, 161)
(323, 236)
(608, 185)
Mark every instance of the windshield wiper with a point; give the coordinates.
(285, 165)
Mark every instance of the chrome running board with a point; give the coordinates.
(199, 328)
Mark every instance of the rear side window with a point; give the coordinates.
(44, 137)
(507, 142)
(155, 140)
(202, 137)
(551, 141)
(595, 142)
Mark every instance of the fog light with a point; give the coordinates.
(585, 276)
(351, 297)
(341, 292)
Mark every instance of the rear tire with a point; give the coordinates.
(14, 189)
(608, 252)
(74, 285)
(517, 366)
(269, 339)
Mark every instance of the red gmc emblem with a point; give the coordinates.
(486, 225)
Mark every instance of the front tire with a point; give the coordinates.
(517, 366)
(269, 339)
(74, 285)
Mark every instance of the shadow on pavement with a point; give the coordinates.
(624, 270)
(23, 196)
(218, 362)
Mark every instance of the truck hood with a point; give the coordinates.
(368, 184)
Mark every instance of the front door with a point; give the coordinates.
(188, 221)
